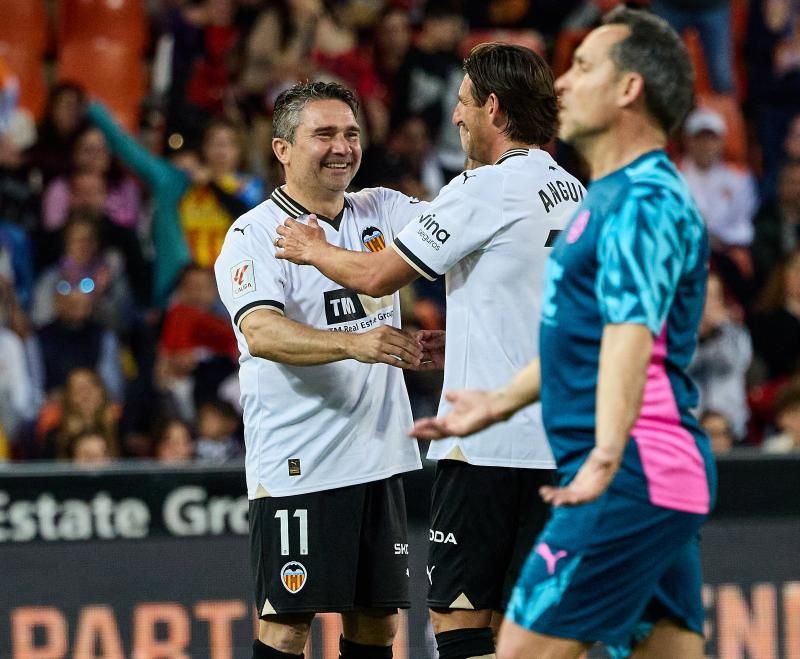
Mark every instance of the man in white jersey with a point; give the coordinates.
(490, 230)
(325, 406)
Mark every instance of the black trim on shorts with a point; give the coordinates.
(251, 305)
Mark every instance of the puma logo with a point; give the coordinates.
(467, 176)
(551, 559)
(235, 229)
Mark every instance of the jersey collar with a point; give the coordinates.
(294, 209)
(511, 153)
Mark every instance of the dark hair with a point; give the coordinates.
(522, 82)
(290, 103)
(656, 52)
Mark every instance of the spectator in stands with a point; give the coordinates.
(84, 266)
(205, 39)
(217, 423)
(197, 348)
(723, 355)
(19, 202)
(62, 123)
(773, 58)
(91, 154)
(775, 327)
(718, 429)
(19, 399)
(75, 340)
(712, 20)
(219, 193)
(89, 449)
(725, 196)
(84, 405)
(428, 82)
(16, 261)
(391, 39)
(173, 442)
(777, 223)
(787, 414)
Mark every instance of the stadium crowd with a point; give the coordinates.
(116, 194)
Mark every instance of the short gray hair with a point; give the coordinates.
(656, 52)
(291, 103)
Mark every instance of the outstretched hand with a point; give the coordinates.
(592, 479)
(298, 242)
(472, 411)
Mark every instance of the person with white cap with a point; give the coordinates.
(725, 193)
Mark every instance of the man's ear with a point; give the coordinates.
(282, 149)
(496, 114)
(630, 89)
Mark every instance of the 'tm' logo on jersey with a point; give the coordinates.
(243, 278)
(431, 232)
(294, 576)
(373, 239)
(342, 306)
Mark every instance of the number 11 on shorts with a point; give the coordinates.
(302, 515)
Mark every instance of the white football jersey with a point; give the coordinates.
(490, 230)
(312, 428)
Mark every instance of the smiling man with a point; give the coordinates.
(490, 230)
(325, 405)
(619, 560)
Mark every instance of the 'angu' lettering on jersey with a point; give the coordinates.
(557, 191)
(343, 305)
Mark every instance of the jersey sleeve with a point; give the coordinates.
(641, 255)
(399, 209)
(249, 277)
(461, 220)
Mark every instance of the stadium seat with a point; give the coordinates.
(28, 67)
(124, 21)
(24, 24)
(566, 44)
(109, 70)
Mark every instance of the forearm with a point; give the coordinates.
(271, 336)
(624, 356)
(358, 271)
(523, 390)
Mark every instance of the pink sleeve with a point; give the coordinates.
(123, 203)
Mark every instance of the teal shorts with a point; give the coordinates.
(607, 570)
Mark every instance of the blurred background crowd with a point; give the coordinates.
(133, 132)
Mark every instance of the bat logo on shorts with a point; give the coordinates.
(294, 576)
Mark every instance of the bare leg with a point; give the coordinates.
(370, 626)
(669, 640)
(515, 642)
(286, 632)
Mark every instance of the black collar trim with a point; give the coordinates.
(511, 153)
(295, 209)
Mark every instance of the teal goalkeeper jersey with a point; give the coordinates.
(635, 252)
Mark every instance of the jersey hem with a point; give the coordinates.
(394, 471)
(489, 462)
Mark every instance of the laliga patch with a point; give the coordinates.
(373, 239)
(243, 278)
(294, 576)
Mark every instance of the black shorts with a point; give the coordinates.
(333, 550)
(484, 521)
